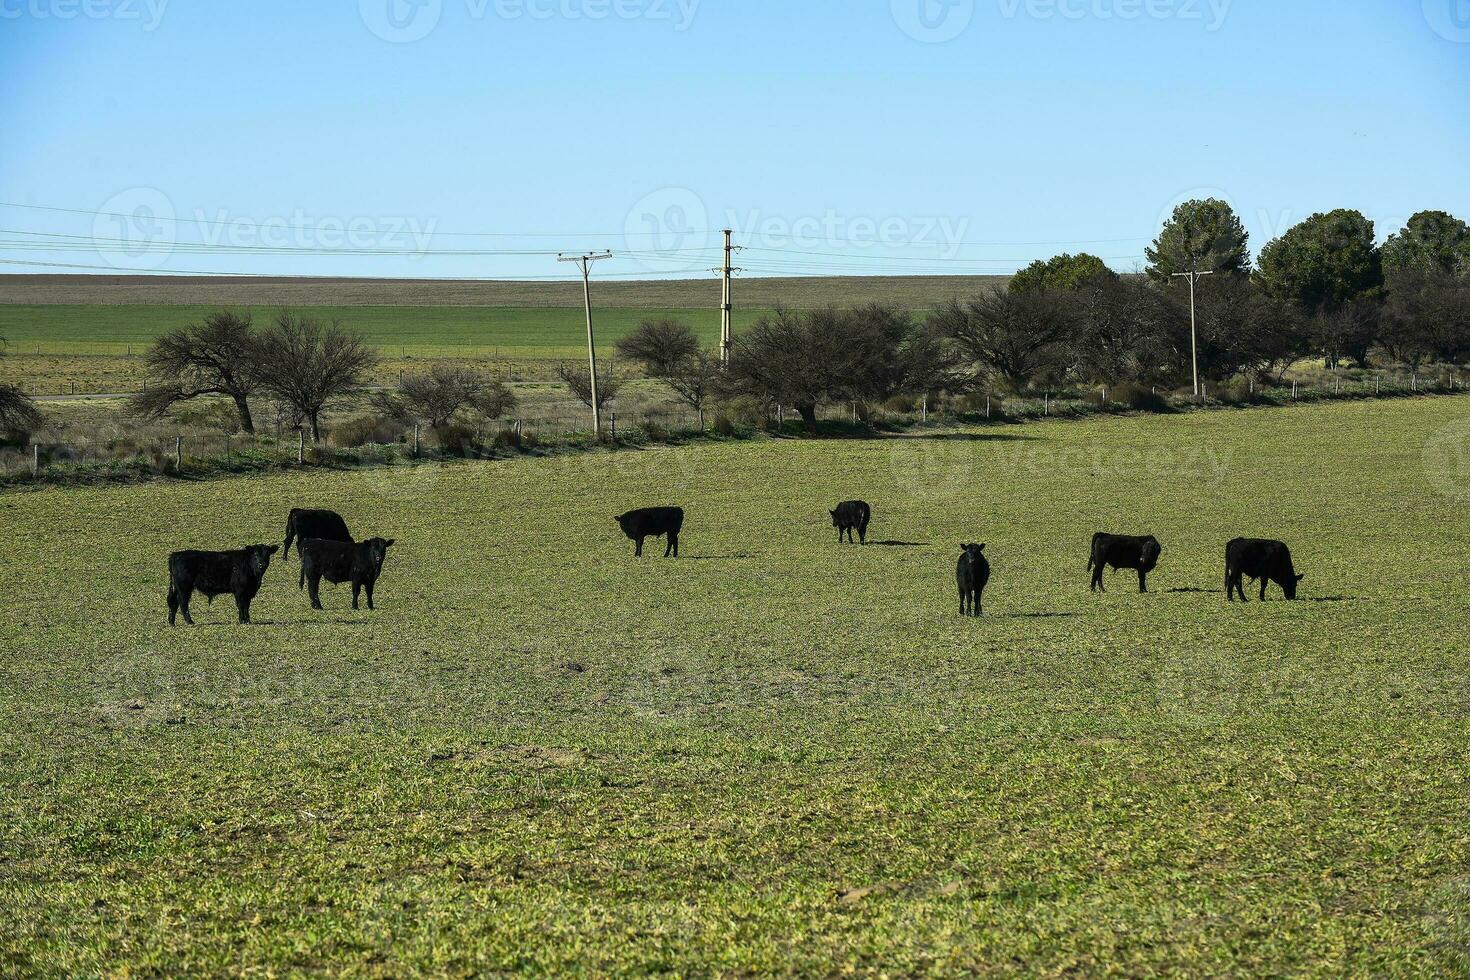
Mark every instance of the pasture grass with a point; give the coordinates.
(776, 754)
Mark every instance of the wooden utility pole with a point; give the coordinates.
(584, 262)
(1193, 277)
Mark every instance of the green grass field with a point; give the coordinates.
(443, 331)
(777, 753)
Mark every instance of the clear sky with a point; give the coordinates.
(833, 135)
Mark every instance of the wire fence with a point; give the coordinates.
(157, 449)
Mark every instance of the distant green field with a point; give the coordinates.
(429, 331)
(776, 754)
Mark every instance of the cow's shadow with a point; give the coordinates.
(899, 544)
(1193, 591)
(1333, 598)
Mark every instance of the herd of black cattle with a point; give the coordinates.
(327, 550)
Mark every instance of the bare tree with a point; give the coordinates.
(669, 351)
(19, 416)
(216, 357)
(308, 365)
(1022, 338)
(579, 383)
(444, 391)
(661, 346)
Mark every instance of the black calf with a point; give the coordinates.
(325, 525)
(653, 522)
(971, 573)
(1123, 551)
(214, 573)
(338, 562)
(852, 515)
(1269, 561)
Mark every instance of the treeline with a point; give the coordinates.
(1323, 290)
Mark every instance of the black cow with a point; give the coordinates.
(1269, 561)
(324, 525)
(653, 522)
(340, 561)
(1123, 551)
(214, 573)
(971, 574)
(852, 515)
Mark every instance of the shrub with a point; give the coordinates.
(975, 402)
(724, 425)
(654, 431)
(364, 430)
(901, 404)
(744, 411)
(457, 440)
(218, 415)
(1139, 398)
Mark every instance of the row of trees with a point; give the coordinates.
(1324, 289)
(305, 367)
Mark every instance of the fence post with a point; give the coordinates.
(179, 453)
(701, 420)
(1046, 403)
(300, 446)
(987, 404)
(415, 440)
(1105, 396)
(1293, 391)
(614, 431)
(1414, 382)
(924, 408)
(35, 459)
(1377, 384)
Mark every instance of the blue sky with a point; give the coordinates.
(866, 135)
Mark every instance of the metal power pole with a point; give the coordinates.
(584, 262)
(1193, 277)
(726, 302)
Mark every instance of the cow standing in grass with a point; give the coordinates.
(338, 562)
(326, 525)
(971, 573)
(215, 573)
(1269, 561)
(1123, 551)
(852, 515)
(653, 522)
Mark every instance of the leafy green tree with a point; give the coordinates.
(1324, 263)
(1203, 236)
(1431, 242)
(1061, 272)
